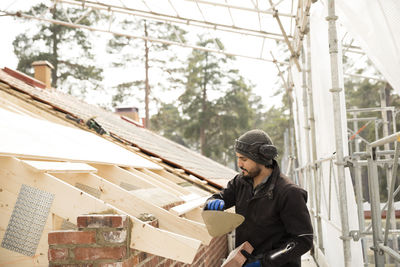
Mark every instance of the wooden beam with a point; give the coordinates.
(129, 203)
(188, 206)
(164, 183)
(69, 202)
(181, 173)
(118, 175)
(59, 167)
(172, 177)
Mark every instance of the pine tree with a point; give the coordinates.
(216, 105)
(157, 60)
(67, 49)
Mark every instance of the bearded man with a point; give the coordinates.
(277, 222)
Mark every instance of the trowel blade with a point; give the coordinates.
(219, 222)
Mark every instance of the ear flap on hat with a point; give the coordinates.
(268, 151)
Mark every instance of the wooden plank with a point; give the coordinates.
(187, 177)
(24, 136)
(119, 175)
(172, 177)
(69, 202)
(59, 167)
(188, 206)
(129, 203)
(157, 196)
(161, 181)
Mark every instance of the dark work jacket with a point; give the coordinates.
(276, 215)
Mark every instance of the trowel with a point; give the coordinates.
(219, 222)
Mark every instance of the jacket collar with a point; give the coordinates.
(268, 187)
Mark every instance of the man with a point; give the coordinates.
(277, 223)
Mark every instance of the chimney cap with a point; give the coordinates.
(42, 62)
(126, 109)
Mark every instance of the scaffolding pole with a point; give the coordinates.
(391, 217)
(337, 111)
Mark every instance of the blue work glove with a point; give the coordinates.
(252, 261)
(215, 204)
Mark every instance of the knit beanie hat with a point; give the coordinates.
(257, 146)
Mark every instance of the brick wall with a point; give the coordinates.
(103, 241)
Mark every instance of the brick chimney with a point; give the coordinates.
(43, 72)
(132, 113)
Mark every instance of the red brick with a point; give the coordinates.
(116, 253)
(57, 254)
(132, 261)
(74, 265)
(71, 237)
(112, 264)
(100, 221)
(115, 236)
(235, 258)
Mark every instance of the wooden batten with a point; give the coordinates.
(132, 205)
(58, 167)
(160, 182)
(118, 175)
(188, 206)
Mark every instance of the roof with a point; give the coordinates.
(146, 140)
(54, 167)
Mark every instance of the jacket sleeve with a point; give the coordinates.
(227, 194)
(296, 218)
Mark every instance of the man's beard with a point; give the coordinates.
(251, 173)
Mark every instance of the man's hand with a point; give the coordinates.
(215, 204)
(252, 261)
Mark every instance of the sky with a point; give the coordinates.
(260, 73)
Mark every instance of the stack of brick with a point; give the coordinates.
(103, 241)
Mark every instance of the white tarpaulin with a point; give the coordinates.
(376, 26)
(29, 137)
(325, 141)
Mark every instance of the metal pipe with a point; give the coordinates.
(150, 39)
(294, 55)
(381, 152)
(365, 77)
(370, 109)
(390, 214)
(361, 119)
(385, 140)
(391, 232)
(359, 192)
(376, 223)
(360, 210)
(379, 162)
(174, 19)
(243, 8)
(392, 253)
(337, 111)
(390, 211)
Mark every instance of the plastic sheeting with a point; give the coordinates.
(376, 26)
(325, 142)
